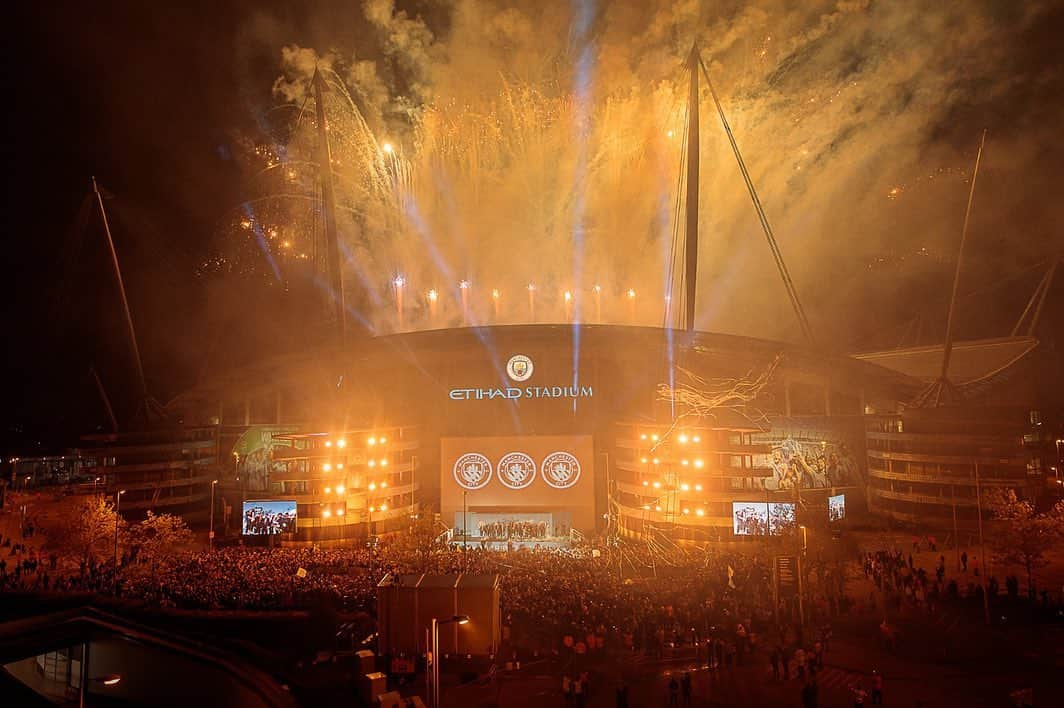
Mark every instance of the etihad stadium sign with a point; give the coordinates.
(519, 368)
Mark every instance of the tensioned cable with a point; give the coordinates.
(792, 293)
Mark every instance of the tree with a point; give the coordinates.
(88, 530)
(1023, 536)
(158, 535)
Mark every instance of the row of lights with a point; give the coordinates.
(327, 512)
(328, 466)
(686, 511)
(683, 487)
(434, 294)
(682, 438)
(699, 464)
(371, 441)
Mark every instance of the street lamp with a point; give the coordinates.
(435, 658)
(210, 537)
(118, 517)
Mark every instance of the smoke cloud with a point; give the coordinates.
(486, 141)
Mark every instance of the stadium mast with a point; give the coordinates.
(691, 242)
(942, 391)
(328, 195)
(147, 407)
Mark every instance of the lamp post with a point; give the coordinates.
(434, 696)
(118, 517)
(210, 536)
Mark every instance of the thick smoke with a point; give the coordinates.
(491, 142)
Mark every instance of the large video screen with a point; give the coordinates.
(265, 518)
(780, 517)
(762, 518)
(750, 518)
(523, 475)
(837, 507)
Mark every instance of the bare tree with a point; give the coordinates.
(710, 398)
(87, 530)
(158, 536)
(1023, 536)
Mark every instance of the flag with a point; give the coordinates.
(731, 574)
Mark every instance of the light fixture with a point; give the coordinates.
(631, 293)
(685, 487)
(341, 443)
(682, 438)
(372, 486)
(700, 512)
(371, 441)
(495, 293)
(657, 508)
(372, 509)
(326, 513)
(685, 463)
(654, 437)
(340, 511)
(327, 467)
(341, 489)
(328, 443)
(656, 461)
(339, 465)
(646, 483)
(646, 507)
(687, 511)
(696, 439)
(698, 487)
(463, 284)
(657, 485)
(699, 464)
(384, 507)
(643, 460)
(383, 485)
(643, 436)
(382, 440)
(328, 490)
(371, 463)
(384, 463)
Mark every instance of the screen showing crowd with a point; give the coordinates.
(762, 518)
(264, 518)
(837, 507)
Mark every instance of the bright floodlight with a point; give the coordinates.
(463, 284)
(399, 281)
(568, 296)
(433, 295)
(631, 293)
(387, 147)
(495, 294)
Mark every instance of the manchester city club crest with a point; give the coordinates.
(472, 471)
(560, 470)
(516, 470)
(519, 368)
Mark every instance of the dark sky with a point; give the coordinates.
(148, 96)
(145, 97)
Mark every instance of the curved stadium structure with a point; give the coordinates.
(363, 444)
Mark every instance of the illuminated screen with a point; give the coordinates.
(837, 507)
(522, 478)
(761, 518)
(750, 518)
(264, 518)
(780, 517)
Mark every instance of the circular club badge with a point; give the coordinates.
(516, 470)
(472, 471)
(519, 368)
(560, 470)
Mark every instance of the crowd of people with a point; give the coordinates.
(509, 528)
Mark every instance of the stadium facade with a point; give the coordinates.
(543, 431)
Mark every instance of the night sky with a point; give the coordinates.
(153, 98)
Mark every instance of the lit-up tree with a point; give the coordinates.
(1023, 536)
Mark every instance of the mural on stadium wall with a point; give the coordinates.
(809, 460)
(253, 460)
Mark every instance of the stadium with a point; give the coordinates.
(362, 456)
